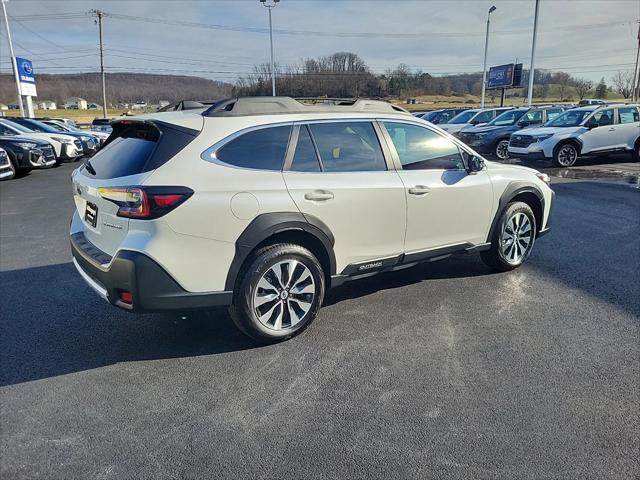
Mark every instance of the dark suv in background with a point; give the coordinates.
(442, 116)
(493, 138)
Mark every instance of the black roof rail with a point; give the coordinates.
(244, 106)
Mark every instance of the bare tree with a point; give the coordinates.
(623, 82)
(583, 87)
(563, 80)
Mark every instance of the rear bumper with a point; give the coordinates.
(152, 288)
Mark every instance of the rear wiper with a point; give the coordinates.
(89, 167)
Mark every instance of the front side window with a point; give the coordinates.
(628, 115)
(262, 149)
(422, 149)
(603, 117)
(348, 147)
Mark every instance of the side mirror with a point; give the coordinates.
(524, 123)
(474, 122)
(591, 124)
(474, 163)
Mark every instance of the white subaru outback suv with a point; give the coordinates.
(593, 129)
(264, 203)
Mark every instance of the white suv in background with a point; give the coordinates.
(264, 203)
(64, 146)
(593, 129)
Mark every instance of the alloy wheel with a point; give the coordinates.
(502, 149)
(567, 155)
(516, 239)
(284, 295)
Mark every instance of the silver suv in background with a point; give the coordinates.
(594, 129)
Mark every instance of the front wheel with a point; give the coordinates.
(279, 294)
(635, 154)
(513, 238)
(12, 171)
(565, 155)
(502, 149)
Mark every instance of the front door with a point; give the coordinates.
(603, 136)
(338, 174)
(446, 205)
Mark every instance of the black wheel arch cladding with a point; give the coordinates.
(513, 190)
(268, 225)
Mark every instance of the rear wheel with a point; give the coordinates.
(636, 151)
(565, 155)
(513, 238)
(279, 293)
(502, 149)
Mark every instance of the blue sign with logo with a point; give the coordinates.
(26, 76)
(500, 76)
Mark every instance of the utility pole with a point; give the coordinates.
(635, 93)
(14, 63)
(486, 48)
(273, 69)
(100, 14)
(533, 53)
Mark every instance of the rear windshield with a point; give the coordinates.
(137, 147)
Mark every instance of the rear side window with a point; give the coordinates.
(628, 115)
(553, 113)
(348, 147)
(262, 149)
(137, 147)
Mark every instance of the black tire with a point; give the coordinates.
(635, 154)
(242, 310)
(495, 257)
(501, 149)
(12, 169)
(566, 155)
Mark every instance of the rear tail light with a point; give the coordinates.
(145, 202)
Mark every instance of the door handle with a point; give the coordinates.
(419, 190)
(612, 129)
(318, 196)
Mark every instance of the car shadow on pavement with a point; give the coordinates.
(52, 324)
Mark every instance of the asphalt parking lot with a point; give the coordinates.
(441, 371)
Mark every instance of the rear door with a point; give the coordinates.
(628, 126)
(338, 173)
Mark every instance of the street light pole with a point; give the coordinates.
(273, 70)
(14, 62)
(486, 48)
(533, 53)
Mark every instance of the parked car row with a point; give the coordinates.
(30, 143)
(557, 133)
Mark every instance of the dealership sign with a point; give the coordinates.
(26, 77)
(501, 76)
(505, 76)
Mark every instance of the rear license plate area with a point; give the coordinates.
(91, 214)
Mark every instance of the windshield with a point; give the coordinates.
(38, 126)
(58, 127)
(507, 118)
(570, 118)
(463, 117)
(431, 115)
(17, 126)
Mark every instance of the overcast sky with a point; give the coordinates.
(590, 39)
